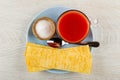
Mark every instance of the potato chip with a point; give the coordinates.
(75, 59)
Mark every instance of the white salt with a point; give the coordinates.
(44, 29)
(95, 21)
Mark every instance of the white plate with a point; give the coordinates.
(52, 13)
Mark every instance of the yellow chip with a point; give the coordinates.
(75, 59)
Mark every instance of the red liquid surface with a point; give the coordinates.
(73, 26)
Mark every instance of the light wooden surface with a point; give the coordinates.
(15, 16)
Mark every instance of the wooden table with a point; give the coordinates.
(15, 16)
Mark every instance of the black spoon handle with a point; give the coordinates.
(91, 44)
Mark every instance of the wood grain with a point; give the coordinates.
(15, 16)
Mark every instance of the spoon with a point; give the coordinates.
(59, 42)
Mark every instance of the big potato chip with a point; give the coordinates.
(75, 59)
